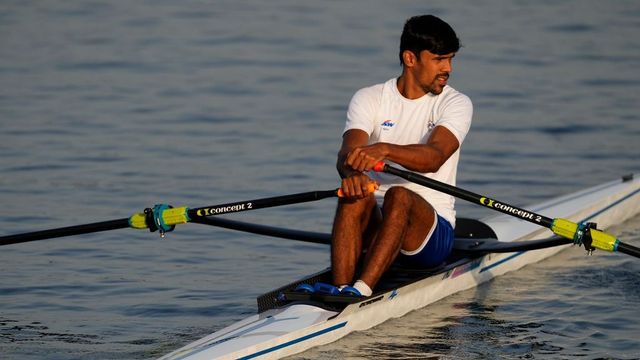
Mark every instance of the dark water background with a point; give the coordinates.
(107, 107)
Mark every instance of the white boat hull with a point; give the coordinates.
(294, 328)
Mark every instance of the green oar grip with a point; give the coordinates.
(169, 217)
(138, 221)
(565, 228)
(176, 216)
(604, 241)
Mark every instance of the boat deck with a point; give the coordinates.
(466, 229)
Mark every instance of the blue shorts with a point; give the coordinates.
(438, 247)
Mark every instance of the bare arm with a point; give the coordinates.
(352, 139)
(423, 158)
(354, 182)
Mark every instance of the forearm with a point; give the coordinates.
(427, 157)
(351, 140)
(417, 157)
(423, 158)
(344, 170)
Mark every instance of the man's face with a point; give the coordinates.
(432, 71)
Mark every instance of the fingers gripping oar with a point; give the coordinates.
(164, 218)
(581, 233)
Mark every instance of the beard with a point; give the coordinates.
(437, 85)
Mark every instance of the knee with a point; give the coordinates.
(355, 207)
(397, 194)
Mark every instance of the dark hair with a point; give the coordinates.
(427, 32)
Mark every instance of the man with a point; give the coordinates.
(418, 122)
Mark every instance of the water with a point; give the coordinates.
(109, 107)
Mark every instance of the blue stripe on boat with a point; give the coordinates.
(295, 341)
(502, 261)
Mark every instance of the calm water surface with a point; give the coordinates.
(109, 107)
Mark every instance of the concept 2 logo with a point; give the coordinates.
(387, 124)
(508, 209)
(223, 209)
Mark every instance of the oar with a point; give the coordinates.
(474, 245)
(580, 233)
(164, 217)
(485, 246)
(283, 233)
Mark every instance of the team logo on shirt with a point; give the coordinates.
(431, 124)
(387, 124)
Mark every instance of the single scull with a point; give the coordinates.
(288, 323)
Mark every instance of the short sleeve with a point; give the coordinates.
(456, 115)
(363, 108)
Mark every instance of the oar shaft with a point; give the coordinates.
(470, 196)
(65, 231)
(306, 236)
(629, 249)
(261, 203)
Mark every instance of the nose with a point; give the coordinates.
(447, 66)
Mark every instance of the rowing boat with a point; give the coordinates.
(288, 322)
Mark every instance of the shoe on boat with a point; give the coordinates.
(351, 291)
(305, 289)
(317, 288)
(326, 289)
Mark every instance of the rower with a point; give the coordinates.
(416, 121)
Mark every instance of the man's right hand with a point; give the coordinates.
(356, 186)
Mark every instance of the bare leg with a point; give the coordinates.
(406, 220)
(353, 219)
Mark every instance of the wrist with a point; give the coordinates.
(346, 173)
(386, 149)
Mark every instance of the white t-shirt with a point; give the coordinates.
(387, 116)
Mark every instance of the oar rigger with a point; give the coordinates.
(585, 233)
(156, 220)
(583, 236)
(162, 218)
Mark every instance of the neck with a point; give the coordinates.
(408, 87)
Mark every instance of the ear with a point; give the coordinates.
(409, 58)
